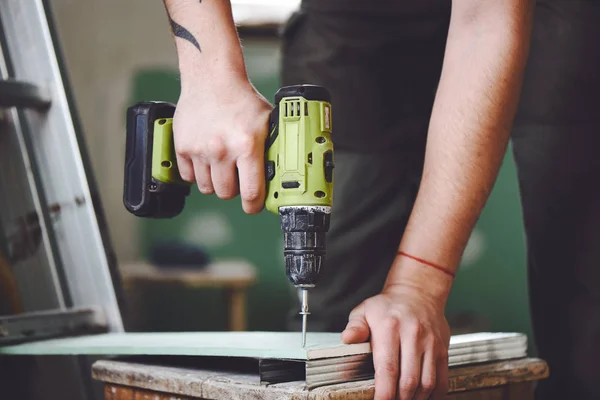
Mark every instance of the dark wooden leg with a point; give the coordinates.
(237, 309)
(521, 390)
(118, 392)
(482, 394)
(115, 392)
(514, 391)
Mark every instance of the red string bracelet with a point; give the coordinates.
(444, 270)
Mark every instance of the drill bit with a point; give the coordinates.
(304, 312)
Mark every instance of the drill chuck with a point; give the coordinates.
(304, 248)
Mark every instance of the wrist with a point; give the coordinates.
(431, 280)
(224, 67)
(206, 41)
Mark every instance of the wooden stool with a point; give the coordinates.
(133, 380)
(233, 276)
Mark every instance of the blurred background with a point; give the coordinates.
(120, 52)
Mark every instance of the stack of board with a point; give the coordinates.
(341, 364)
(482, 347)
(281, 358)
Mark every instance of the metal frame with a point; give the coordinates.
(51, 324)
(58, 174)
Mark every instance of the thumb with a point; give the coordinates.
(357, 329)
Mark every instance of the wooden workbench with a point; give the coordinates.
(137, 380)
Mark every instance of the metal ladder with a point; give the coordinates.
(54, 246)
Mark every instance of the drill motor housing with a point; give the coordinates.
(299, 169)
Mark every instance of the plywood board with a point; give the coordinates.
(280, 345)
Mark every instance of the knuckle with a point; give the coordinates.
(182, 148)
(199, 151)
(355, 324)
(428, 384)
(204, 186)
(251, 192)
(245, 145)
(415, 331)
(418, 330)
(216, 148)
(387, 368)
(408, 383)
(225, 190)
(443, 351)
(391, 323)
(186, 175)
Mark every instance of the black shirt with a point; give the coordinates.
(379, 6)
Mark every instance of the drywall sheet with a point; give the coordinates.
(281, 345)
(235, 344)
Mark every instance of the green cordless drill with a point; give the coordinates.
(298, 167)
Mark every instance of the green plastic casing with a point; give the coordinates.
(164, 159)
(299, 157)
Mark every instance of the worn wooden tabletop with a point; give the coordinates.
(135, 379)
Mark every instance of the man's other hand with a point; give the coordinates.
(409, 337)
(219, 127)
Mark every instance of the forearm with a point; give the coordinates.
(206, 40)
(468, 135)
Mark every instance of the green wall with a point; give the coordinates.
(491, 284)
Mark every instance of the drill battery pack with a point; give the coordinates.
(152, 185)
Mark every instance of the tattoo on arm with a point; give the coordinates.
(180, 32)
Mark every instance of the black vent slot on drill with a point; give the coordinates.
(292, 109)
(290, 184)
(328, 164)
